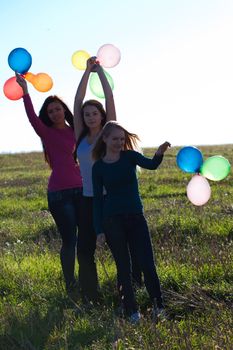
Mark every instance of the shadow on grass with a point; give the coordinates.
(65, 325)
(33, 331)
(60, 322)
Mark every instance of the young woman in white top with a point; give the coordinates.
(89, 119)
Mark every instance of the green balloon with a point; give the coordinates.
(96, 86)
(215, 168)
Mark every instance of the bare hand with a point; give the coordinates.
(21, 81)
(96, 67)
(163, 148)
(92, 63)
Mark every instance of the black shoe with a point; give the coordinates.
(135, 318)
(158, 314)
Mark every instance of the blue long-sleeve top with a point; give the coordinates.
(120, 182)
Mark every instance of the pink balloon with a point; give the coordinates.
(108, 55)
(198, 190)
(12, 90)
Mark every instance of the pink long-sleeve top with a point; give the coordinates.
(59, 145)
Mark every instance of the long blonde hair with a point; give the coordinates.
(99, 150)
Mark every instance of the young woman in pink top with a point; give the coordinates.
(55, 128)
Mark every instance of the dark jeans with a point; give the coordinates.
(86, 246)
(86, 251)
(130, 232)
(136, 271)
(65, 208)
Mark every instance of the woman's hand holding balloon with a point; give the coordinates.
(91, 63)
(22, 82)
(97, 67)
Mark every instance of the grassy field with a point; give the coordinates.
(193, 249)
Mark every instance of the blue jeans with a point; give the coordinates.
(126, 232)
(65, 207)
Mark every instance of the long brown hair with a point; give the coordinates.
(131, 140)
(102, 111)
(43, 115)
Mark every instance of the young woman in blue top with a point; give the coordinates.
(89, 119)
(119, 218)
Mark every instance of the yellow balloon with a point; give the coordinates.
(29, 77)
(42, 82)
(79, 59)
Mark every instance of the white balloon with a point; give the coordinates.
(198, 190)
(108, 55)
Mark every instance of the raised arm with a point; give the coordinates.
(39, 127)
(158, 156)
(163, 148)
(109, 100)
(149, 163)
(22, 82)
(79, 97)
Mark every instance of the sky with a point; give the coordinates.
(174, 81)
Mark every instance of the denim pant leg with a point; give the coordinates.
(117, 242)
(86, 251)
(140, 243)
(136, 269)
(64, 207)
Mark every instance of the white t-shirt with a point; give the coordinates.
(86, 162)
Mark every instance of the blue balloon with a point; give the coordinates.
(189, 159)
(20, 60)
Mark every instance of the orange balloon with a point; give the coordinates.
(29, 77)
(12, 90)
(42, 82)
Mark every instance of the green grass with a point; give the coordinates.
(193, 249)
